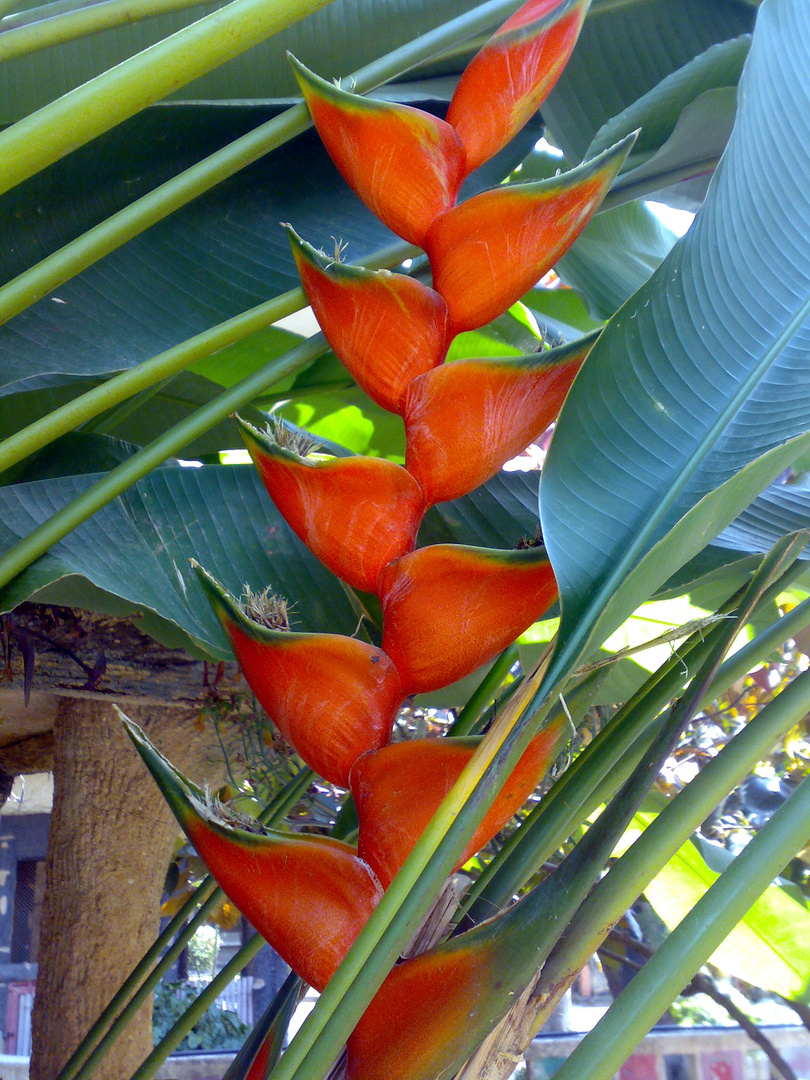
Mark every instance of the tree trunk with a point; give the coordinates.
(108, 851)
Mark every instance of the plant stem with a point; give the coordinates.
(74, 119)
(605, 764)
(760, 647)
(668, 832)
(484, 692)
(35, 31)
(653, 990)
(575, 793)
(198, 1008)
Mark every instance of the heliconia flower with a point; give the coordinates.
(355, 514)
(465, 419)
(332, 697)
(405, 164)
(447, 608)
(308, 896)
(384, 328)
(398, 789)
(487, 252)
(506, 82)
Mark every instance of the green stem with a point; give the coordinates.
(759, 648)
(670, 830)
(198, 1008)
(484, 692)
(40, 28)
(22, 554)
(596, 774)
(74, 119)
(684, 952)
(140, 983)
(574, 794)
(82, 252)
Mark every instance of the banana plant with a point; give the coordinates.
(679, 393)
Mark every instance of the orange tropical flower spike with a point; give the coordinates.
(447, 608)
(405, 164)
(355, 514)
(398, 789)
(465, 419)
(332, 697)
(384, 328)
(487, 252)
(507, 81)
(308, 896)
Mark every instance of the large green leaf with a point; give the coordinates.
(615, 256)
(685, 123)
(704, 368)
(627, 48)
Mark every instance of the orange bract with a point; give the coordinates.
(465, 419)
(405, 164)
(447, 609)
(332, 697)
(355, 514)
(506, 82)
(486, 253)
(384, 328)
(418, 1017)
(398, 789)
(309, 897)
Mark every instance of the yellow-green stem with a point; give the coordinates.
(43, 28)
(74, 119)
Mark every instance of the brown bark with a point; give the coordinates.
(109, 847)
